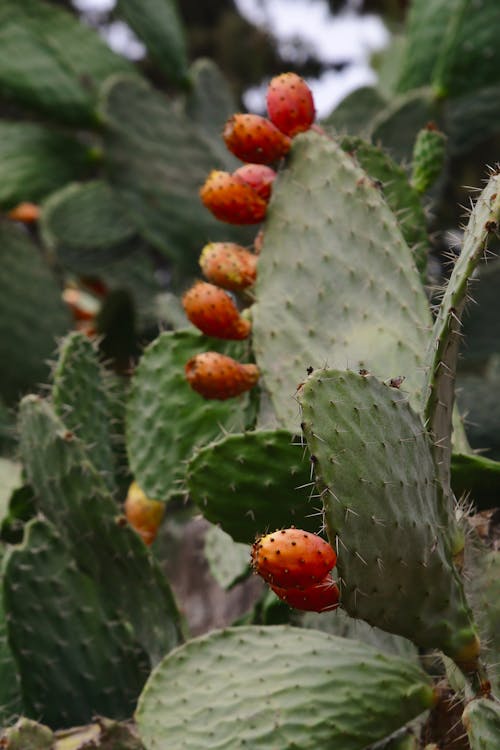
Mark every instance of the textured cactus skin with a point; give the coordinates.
(10, 696)
(82, 401)
(322, 206)
(481, 719)
(166, 419)
(73, 496)
(346, 694)
(483, 588)
(32, 313)
(401, 197)
(441, 359)
(84, 659)
(27, 734)
(429, 155)
(389, 515)
(253, 482)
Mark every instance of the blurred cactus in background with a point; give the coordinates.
(334, 409)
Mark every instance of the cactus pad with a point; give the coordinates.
(354, 296)
(278, 687)
(481, 719)
(254, 482)
(396, 536)
(166, 420)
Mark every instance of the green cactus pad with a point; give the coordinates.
(27, 734)
(158, 177)
(253, 483)
(451, 45)
(477, 478)
(73, 496)
(483, 589)
(336, 283)
(82, 401)
(229, 561)
(86, 226)
(158, 24)
(76, 657)
(34, 161)
(396, 536)
(481, 719)
(401, 197)
(10, 694)
(278, 687)
(429, 155)
(441, 359)
(166, 419)
(32, 313)
(51, 62)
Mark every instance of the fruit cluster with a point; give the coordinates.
(297, 564)
(241, 198)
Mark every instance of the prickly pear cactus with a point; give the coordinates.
(384, 509)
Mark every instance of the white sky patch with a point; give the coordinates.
(94, 6)
(122, 40)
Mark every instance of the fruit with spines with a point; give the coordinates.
(213, 311)
(217, 376)
(228, 265)
(254, 139)
(321, 597)
(290, 104)
(258, 176)
(143, 514)
(292, 558)
(232, 200)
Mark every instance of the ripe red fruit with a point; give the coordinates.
(228, 265)
(213, 311)
(321, 597)
(143, 514)
(259, 176)
(217, 376)
(292, 558)
(231, 199)
(255, 139)
(290, 104)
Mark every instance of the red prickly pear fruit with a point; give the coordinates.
(232, 200)
(292, 558)
(259, 176)
(321, 597)
(255, 139)
(27, 213)
(228, 265)
(290, 104)
(213, 311)
(143, 514)
(217, 376)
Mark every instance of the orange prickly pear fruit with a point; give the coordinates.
(255, 139)
(28, 213)
(228, 265)
(213, 311)
(290, 104)
(231, 199)
(320, 597)
(258, 176)
(143, 514)
(216, 376)
(292, 558)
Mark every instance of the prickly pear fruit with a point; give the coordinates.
(217, 376)
(232, 200)
(255, 139)
(26, 212)
(213, 311)
(143, 514)
(292, 558)
(290, 104)
(228, 265)
(429, 154)
(321, 597)
(258, 176)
